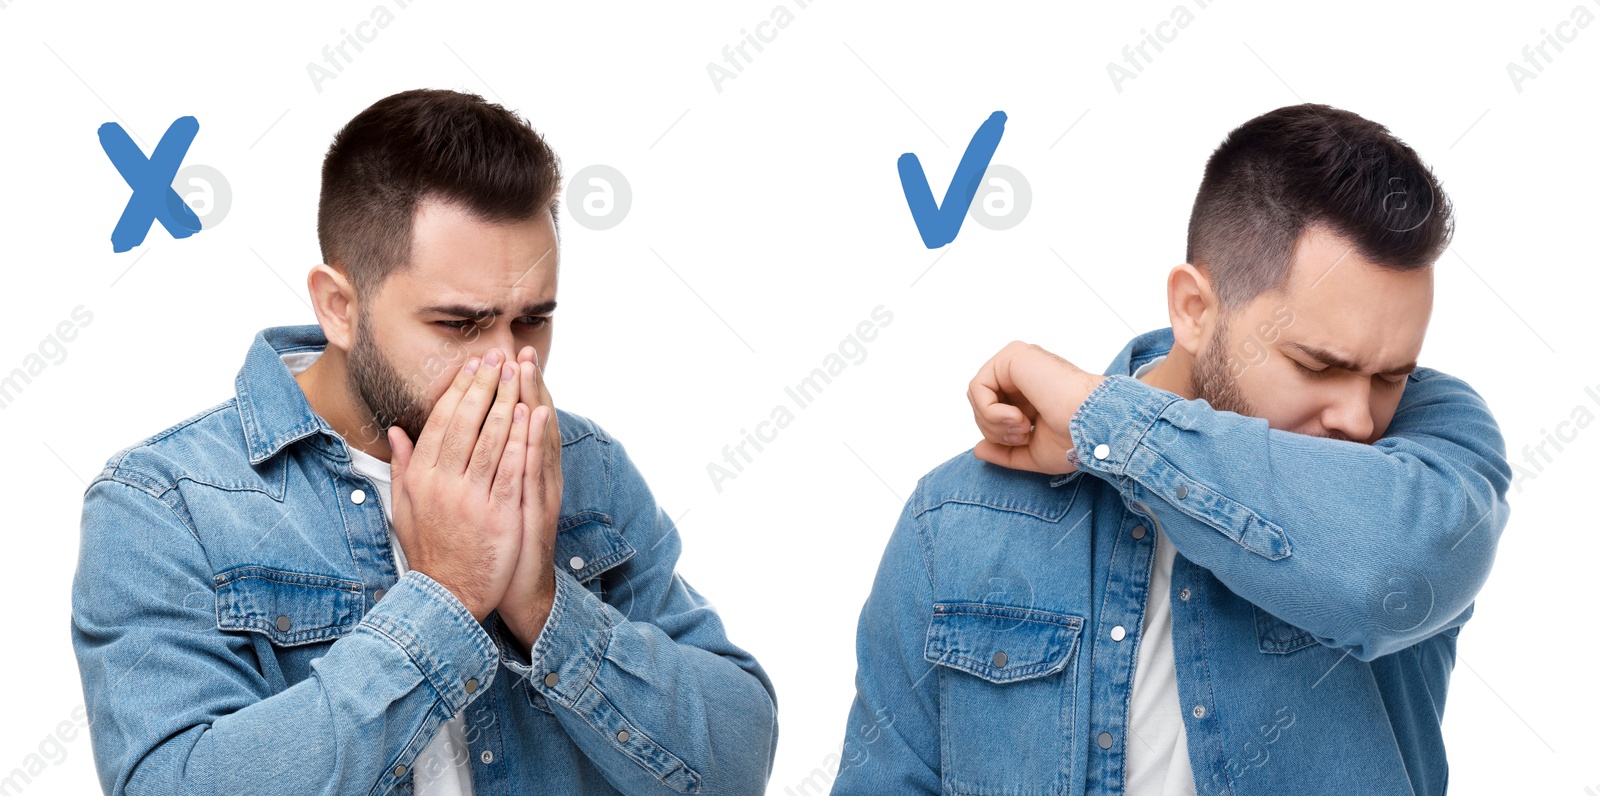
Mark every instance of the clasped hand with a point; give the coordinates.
(476, 501)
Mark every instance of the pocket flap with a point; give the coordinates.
(1001, 643)
(587, 545)
(288, 607)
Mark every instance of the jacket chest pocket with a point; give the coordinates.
(1006, 707)
(289, 608)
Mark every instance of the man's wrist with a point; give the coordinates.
(465, 597)
(528, 624)
(1086, 386)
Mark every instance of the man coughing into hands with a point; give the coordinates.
(389, 564)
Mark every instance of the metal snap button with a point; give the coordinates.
(999, 659)
(1119, 633)
(471, 684)
(1183, 491)
(358, 497)
(1104, 740)
(487, 757)
(283, 623)
(1102, 450)
(576, 562)
(551, 679)
(622, 736)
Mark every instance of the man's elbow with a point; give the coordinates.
(1412, 610)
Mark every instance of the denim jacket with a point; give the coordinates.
(1317, 593)
(240, 628)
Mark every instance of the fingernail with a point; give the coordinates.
(492, 358)
(472, 366)
(520, 413)
(506, 372)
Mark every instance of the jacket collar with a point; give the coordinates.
(272, 407)
(1140, 350)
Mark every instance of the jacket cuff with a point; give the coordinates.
(569, 649)
(511, 654)
(447, 644)
(1112, 420)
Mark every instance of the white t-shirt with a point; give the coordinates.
(1158, 749)
(443, 768)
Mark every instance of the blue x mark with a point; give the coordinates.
(151, 180)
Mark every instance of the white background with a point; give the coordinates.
(767, 222)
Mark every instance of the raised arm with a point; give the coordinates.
(1371, 548)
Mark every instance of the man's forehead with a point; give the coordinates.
(504, 286)
(521, 266)
(454, 251)
(452, 294)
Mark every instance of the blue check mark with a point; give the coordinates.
(940, 223)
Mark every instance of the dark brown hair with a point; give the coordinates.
(426, 144)
(1303, 165)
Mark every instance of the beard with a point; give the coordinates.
(379, 386)
(1212, 380)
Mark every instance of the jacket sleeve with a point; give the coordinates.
(648, 686)
(1371, 548)
(178, 707)
(891, 742)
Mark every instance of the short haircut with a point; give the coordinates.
(1303, 165)
(426, 144)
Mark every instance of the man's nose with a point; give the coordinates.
(1350, 413)
(499, 336)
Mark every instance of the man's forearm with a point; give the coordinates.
(1369, 547)
(653, 713)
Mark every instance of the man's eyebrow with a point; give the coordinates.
(1333, 360)
(468, 311)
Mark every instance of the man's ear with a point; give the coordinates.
(333, 298)
(1191, 307)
